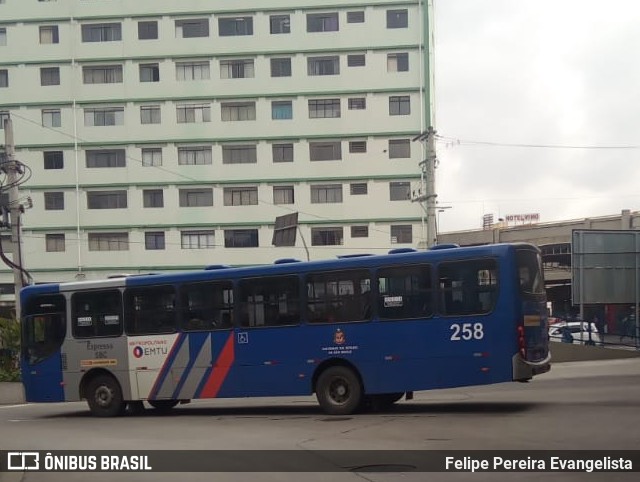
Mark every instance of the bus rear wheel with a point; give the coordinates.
(163, 405)
(104, 397)
(339, 391)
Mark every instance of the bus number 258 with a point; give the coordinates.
(466, 331)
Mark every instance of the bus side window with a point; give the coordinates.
(468, 287)
(339, 296)
(206, 306)
(404, 292)
(273, 301)
(150, 311)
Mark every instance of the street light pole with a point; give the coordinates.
(428, 195)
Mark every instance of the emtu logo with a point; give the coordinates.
(23, 461)
(138, 352)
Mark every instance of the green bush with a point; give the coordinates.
(9, 350)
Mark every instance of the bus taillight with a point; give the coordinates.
(521, 343)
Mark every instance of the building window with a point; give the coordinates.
(239, 154)
(3, 37)
(102, 74)
(241, 196)
(108, 116)
(283, 195)
(102, 32)
(358, 188)
(108, 241)
(359, 231)
(54, 201)
(327, 65)
(357, 147)
(191, 198)
(401, 233)
(153, 198)
(399, 148)
(399, 105)
(150, 114)
(323, 22)
(51, 118)
(230, 27)
(398, 18)
(325, 151)
(326, 193)
(149, 73)
(107, 200)
(399, 191)
(240, 238)
(194, 155)
(154, 240)
(55, 243)
(106, 158)
(398, 62)
(355, 17)
(282, 152)
(197, 239)
(186, 71)
(151, 156)
(50, 76)
(324, 108)
(238, 111)
(280, 24)
(49, 34)
(4, 79)
(53, 160)
(4, 115)
(356, 60)
(281, 109)
(192, 113)
(327, 236)
(357, 103)
(281, 67)
(236, 69)
(192, 28)
(148, 30)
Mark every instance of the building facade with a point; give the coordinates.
(165, 135)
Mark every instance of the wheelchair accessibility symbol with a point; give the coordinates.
(243, 338)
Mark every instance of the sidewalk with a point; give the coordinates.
(11, 393)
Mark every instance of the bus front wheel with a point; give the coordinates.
(339, 391)
(104, 397)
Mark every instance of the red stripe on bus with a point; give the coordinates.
(220, 370)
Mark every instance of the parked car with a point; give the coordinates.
(577, 332)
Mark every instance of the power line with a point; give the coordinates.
(457, 141)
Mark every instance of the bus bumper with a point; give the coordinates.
(525, 370)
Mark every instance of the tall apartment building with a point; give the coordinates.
(165, 135)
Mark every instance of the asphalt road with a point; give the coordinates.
(586, 405)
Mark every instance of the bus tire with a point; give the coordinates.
(104, 397)
(339, 391)
(163, 405)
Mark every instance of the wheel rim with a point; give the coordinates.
(103, 396)
(339, 391)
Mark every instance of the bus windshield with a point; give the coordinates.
(43, 328)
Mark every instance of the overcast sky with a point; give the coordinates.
(543, 72)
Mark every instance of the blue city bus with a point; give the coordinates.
(358, 331)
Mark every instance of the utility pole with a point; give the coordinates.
(11, 168)
(427, 194)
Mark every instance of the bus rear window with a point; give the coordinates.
(530, 272)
